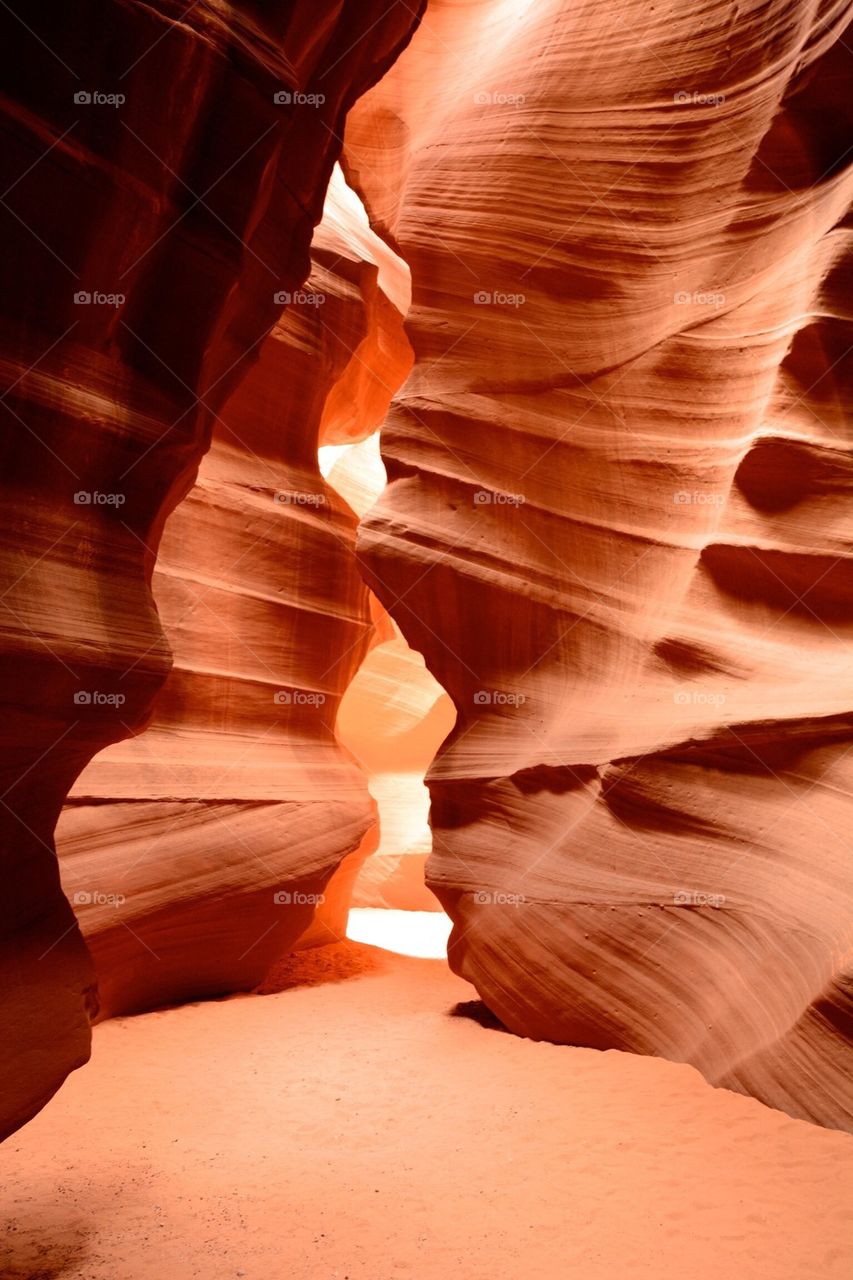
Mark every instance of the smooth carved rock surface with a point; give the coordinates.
(177, 214)
(195, 853)
(618, 517)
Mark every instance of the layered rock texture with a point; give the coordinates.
(201, 850)
(618, 517)
(161, 186)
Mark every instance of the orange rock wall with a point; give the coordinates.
(618, 517)
(163, 171)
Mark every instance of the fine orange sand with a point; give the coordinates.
(356, 1125)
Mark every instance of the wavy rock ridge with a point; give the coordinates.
(197, 852)
(148, 234)
(617, 523)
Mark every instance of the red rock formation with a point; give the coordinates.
(196, 853)
(614, 524)
(160, 189)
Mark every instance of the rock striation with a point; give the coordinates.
(617, 523)
(161, 188)
(199, 851)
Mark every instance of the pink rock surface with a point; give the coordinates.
(618, 518)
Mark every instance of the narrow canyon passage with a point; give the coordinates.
(235, 826)
(426, 640)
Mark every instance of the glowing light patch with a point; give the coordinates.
(329, 454)
(410, 933)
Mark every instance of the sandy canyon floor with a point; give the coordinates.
(362, 1120)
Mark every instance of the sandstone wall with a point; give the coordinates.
(150, 167)
(618, 518)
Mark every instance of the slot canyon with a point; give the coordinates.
(426, 765)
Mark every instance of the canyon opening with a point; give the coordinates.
(426, 764)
